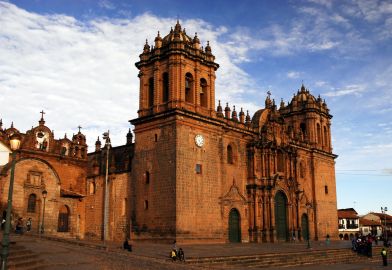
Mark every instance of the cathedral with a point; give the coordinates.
(192, 170)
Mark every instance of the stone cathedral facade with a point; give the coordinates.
(194, 170)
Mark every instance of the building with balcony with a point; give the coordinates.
(348, 221)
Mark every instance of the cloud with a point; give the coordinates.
(354, 89)
(83, 73)
(106, 4)
(293, 74)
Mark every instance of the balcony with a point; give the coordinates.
(341, 226)
(352, 226)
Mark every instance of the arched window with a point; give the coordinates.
(319, 134)
(64, 150)
(150, 92)
(203, 92)
(230, 154)
(145, 205)
(147, 177)
(302, 126)
(31, 203)
(280, 160)
(165, 87)
(325, 136)
(91, 188)
(188, 87)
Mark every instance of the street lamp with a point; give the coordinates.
(308, 207)
(44, 194)
(384, 211)
(14, 144)
(106, 200)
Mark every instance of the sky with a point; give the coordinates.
(74, 59)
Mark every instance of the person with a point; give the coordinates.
(28, 225)
(370, 247)
(181, 255)
(127, 245)
(173, 255)
(384, 257)
(19, 226)
(327, 240)
(174, 251)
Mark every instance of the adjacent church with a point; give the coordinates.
(194, 170)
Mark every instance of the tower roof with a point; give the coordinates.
(177, 42)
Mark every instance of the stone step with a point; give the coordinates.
(21, 258)
(309, 257)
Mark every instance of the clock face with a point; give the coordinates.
(199, 140)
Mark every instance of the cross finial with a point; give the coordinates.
(42, 114)
(79, 127)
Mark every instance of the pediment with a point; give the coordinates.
(233, 195)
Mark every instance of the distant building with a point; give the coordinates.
(384, 221)
(348, 223)
(368, 226)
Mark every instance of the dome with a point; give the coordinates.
(304, 96)
(177, 35)
(260, 118)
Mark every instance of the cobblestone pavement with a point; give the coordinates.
(60, 255)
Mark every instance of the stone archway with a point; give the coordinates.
(281, 216)
(234, 226)
(63, 221)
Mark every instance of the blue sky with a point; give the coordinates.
(75, 60)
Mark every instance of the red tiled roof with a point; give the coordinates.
(347, 213)
(368, 222)
(383, 216)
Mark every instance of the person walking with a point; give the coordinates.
(28, 225)
(384, 256)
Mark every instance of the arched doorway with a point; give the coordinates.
(63, 222)
(305, 226)
(281, 216)
(234, 226)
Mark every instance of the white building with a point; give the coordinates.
(348, 223)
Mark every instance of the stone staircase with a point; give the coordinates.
(22, 258)
(286, 259)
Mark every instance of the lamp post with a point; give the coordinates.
(106, 199)
(384, 211)
(15, 144)
(44, 194)
(308, 207)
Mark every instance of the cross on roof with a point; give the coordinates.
(79, 127)
(42, 114)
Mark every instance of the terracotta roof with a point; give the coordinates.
(368, 222)
(383, 216)
(347, 213)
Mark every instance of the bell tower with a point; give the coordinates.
(176, 73)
